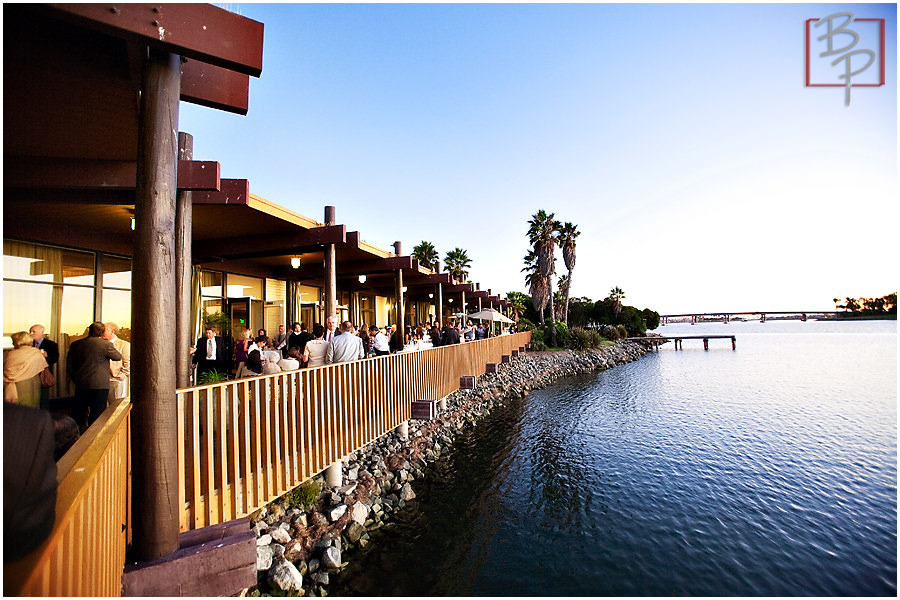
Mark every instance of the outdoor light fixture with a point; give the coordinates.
(295, 262)
(362, 278)
(431, 295)
(403, 289)
(450, 300)
(132, 223)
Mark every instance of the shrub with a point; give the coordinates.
(562, 334)
(304, 495)
(537, 340)
(610, 332)
(208, 377)
(579, 339)
(594, 337)
(623, 331)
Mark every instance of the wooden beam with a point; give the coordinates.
(90, 174)
(232, 191)
(215, 87)
(200, 31)
(271, 245)
(461, 287)
(377, 265)
(428, 279)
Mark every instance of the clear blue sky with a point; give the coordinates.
(679, 138)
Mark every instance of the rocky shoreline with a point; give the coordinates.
(298, 549)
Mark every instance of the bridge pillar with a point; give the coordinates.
(333, 475)
(762, 317)
(693, 319)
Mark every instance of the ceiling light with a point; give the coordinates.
(295, 262)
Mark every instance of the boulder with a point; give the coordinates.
(354, 532)
(264, 540)
(263, 558)
(331, 558)
(280, 535)
(293, 551)
(285, 576)
(320, 578)
(407, 493)
(337, 512)
(360, 512)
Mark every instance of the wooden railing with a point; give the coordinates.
(85, 553)
(243, 443)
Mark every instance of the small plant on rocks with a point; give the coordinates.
(304, 495)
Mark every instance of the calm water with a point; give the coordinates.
(770, 470)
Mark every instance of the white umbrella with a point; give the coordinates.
(489, 314)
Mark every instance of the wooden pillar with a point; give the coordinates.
(184, 215)
(330, 270)
(462, 308)
(154, 418)
(398, 293)
(439, 306)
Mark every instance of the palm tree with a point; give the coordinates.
(536, 282)
(426, 254)
(567, 234)
(457, 262)
(617, 295)
(517, 302)
(542, 232)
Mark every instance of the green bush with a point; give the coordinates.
(562, 334)
(579, 339)
(623, 331)
(304, 495)
(610, 332)
(537, 340)
(208, 377)
(596, 340)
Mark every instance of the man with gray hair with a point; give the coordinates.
(119, 369)
(345, 347)
(330, 328)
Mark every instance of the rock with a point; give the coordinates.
(277, 511)
(337, 512)
(359, 513)
(293, 551)
(331, 558)
(264, 540)
(320, 578)
(355, 531)
(263, 558)
(300, 520)
(407, 493)
(333, 498)
(353, 473)
(314, 565)
(347, 489)
(321, 545)
(280, 535)
(285, 576)
(317, 519)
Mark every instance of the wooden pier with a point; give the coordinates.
(679, 339)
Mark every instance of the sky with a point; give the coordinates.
(703, 174)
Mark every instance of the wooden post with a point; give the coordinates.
(154, 452)
(330, 270)
(184, 214)
(439, 307)
(462, 308)
(398, 280)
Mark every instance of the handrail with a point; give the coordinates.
(244, 442)
(84, 554)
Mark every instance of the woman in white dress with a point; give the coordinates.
(314, 354)
(291, 362)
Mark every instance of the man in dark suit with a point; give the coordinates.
(51, 354)
(29, 479)
(87, 365)
(209, 354)
(450, 335)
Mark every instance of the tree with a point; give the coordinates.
(542, 233)
(852, 304)
(457, 262)
(536, 282)
(616, 295)
(567, 234)
(517, 302)
(426, 254)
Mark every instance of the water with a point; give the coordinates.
(766, 471)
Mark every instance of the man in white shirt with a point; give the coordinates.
(345, 347)
(379, 341)
(119, 369)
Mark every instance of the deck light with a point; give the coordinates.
(132, 223)
(362, 278)
(295, 262)
(431, 295)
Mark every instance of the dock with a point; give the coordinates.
(655, 341)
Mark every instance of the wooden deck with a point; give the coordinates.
(655, 341)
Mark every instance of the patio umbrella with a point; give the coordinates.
(489, 314)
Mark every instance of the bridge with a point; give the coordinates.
(726, 316)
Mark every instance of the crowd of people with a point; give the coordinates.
(332, 343)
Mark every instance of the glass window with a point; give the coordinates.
(211, 283)
(34, 262)
(117, 308)
(116, 274)
(65, 312)
(240, 286)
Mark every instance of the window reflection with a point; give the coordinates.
(116, 273)
(22, 260)
(117, 308)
